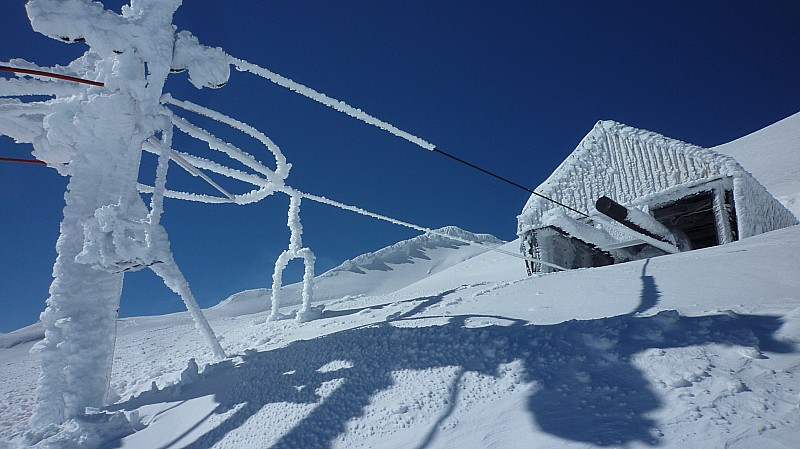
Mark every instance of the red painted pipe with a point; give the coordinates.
(30, 161)
(51, 75)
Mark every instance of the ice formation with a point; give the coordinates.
(95, 136)
(338, 105)
(654, 177)
(295, 250)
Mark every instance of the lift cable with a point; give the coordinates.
(455, 158)
(358, 210)
(356, 113)
(320, 97)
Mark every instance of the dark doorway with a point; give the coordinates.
(694, 215)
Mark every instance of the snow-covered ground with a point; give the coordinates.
(435, 344)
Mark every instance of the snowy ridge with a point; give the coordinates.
(405, 251)
(381, 272)
(34, 332)
(384, 271)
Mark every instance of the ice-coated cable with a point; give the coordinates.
(18, 87)
(28, 161)
(281, 166)
(152, 145)
(160, 184)
(341, 106)
(321, 199)
(296, 193)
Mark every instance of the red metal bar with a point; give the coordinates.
(51, 75)
(29, 161)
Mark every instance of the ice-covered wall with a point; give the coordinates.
(638, 167)
(757, 210)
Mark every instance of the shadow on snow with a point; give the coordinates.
(587, 388)
(650, 294)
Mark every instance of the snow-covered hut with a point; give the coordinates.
(677, 197)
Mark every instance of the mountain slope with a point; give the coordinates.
(375, 273)
(693, 350)
(772, 155)
(429, 344)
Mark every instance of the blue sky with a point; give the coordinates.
(510, 86)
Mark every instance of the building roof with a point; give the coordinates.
(631, 165)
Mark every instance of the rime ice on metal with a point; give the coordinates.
(95, 135)
(295, 251)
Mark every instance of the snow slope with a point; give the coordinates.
(434, 345)
(379, 272)
(772, 155)
(692, 350)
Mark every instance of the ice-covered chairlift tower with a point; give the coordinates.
(646, 195)
(95, 135)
